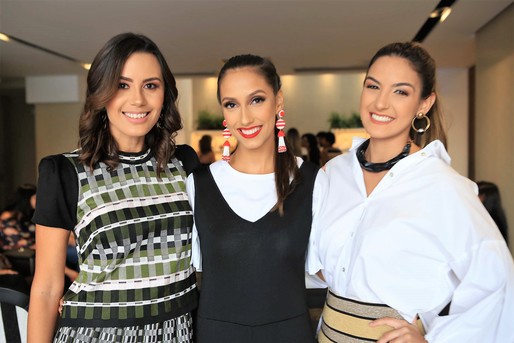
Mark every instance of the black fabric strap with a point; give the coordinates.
(10, 320)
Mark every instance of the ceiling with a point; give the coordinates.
(195, 36)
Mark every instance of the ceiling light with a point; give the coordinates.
(4, 37)
(445, 14)
(442, 13)
(86, 66)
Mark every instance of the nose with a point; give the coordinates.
(246, 116)
(138, 97)
(382, 100)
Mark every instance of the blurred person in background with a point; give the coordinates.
(489, 194)
(205, 153)
(310, 143)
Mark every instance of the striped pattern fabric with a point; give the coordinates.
(13, 323)
(177, 330)
(347, 321)
(134, 244)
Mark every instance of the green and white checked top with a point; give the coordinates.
(133, 233)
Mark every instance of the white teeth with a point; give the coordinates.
(380, 118)
(250, 131)
(136, 115)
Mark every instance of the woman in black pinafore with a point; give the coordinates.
(255, 214)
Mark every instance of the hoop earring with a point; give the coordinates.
(280, 124)
(420, 116)
(226, 146)
(104, 120)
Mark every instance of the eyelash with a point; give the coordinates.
(398, 91)
(256, 100)
(124, 85)
(151, 86)
(229, 105)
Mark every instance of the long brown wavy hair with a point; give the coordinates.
(425, 67)
(95, 140)
(285, 163)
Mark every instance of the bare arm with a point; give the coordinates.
(48, 284)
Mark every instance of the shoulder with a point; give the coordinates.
(339, 163)
(59, 162)
(187, 155)
(435, 163)
(306, 166)
(219, 167)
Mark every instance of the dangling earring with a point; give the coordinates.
(280, 124)
(226, 146)
(420, 116)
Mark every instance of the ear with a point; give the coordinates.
(280, 101)
(427, 103)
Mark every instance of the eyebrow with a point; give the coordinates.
(249, 95)
(145, 80)
(399, 84)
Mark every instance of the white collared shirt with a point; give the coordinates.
(421, 239)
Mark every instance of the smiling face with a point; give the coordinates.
(137, 104)
(250, 107)
(391, 98)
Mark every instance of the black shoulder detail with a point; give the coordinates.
(188, 157)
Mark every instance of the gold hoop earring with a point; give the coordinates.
(420, 116)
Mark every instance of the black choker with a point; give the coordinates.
(378, 167)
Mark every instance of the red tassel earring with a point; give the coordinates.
(280, 124)
(226, 145)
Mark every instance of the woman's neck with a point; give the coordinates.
(253, 161)
(380, 151)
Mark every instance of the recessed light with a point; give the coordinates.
(4, 37)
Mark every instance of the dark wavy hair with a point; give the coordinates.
(285, 163)
(95, 140)
(425, 67)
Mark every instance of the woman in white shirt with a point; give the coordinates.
(253, 215)
(407, 249)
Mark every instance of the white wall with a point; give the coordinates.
(494, 128)
(453, 93)
(185, 107)
(310, 98)
(57, 128)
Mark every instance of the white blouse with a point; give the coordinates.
(251, 196)
(421, 239)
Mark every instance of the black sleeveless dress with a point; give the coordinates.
(253, 273)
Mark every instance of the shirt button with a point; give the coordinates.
(391, 174)
(423, 154)
(344, 269)
(351, 235)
